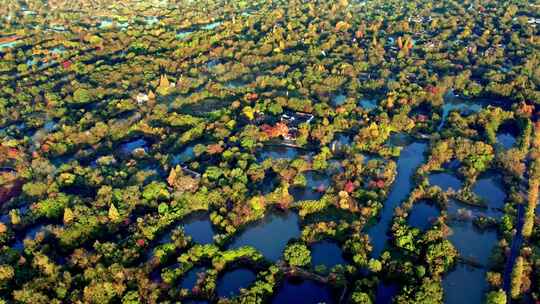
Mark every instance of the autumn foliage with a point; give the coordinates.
(280, 129)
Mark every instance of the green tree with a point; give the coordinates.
(297, 255)
(517, 273)
(430, 292)
(375, 265)
(82, 96)
(496, 297)
(156, 191)
(114, 215)
(441, 256)
(68, 215)
(361, 298)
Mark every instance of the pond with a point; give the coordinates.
(230, 283)
(183, 34)
(464, 284)
(445, 181)
(506, 140)
(368, 104)
(277, 152)
(490, 189)
(454, 164)
(58, 50)
(454, 103)
(338, 100)
(41, 133)
(235, 84)
(211, 26)
(198, 226)
(343, 139)
(423, 215)
(129, 147)
(386, 292)
(316, 185)
(30, 234)
(305, 292)
(507, 134)
(471, 242)
(202, 108)
(410, 158)
(269, 235)
(399, 139)
(187, 154)
(109, 24)
(334, 167)
(151, 20)
(7, 45)
(340, 143)
(327, 253)
(212, 63)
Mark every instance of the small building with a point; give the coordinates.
(191, 173)
(142, 98)
(293, 121)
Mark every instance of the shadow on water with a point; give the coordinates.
(410, 158)
(269, 235)
(305, 292)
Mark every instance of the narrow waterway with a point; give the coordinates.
(411, 157)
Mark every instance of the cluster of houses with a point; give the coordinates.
(533, 21)
(420, 19)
